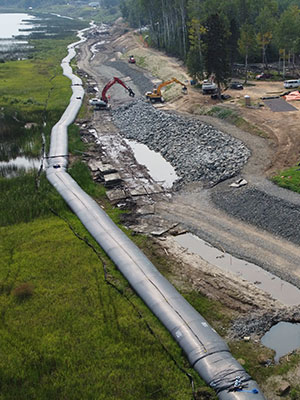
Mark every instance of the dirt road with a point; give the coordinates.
(257, 222)
(193, 206)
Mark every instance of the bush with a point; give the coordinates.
(23, 292)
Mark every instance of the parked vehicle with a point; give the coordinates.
(236, 86)
(292, 83)
(131, 60)
(263, 75)
(208, 87)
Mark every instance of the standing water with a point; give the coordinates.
(11, 25)
(13, 137)
(159, 169)
(283, 338)
(280, 290)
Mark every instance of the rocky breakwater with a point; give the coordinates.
(197, 151)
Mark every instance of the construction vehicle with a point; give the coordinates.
(156, 94)
(209, 87)
(131, 60)
(103, 102)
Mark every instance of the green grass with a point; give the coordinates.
(233, 118)
(252, 352)
(32, 87)
(289, 179)
(75, 337)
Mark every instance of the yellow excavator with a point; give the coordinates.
(156, 94)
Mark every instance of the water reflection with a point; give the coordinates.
(11, 24)
(19, 147)
(280, 290)
(18, 166)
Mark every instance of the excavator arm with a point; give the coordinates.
(156, 94)
(166, 83)
(110, 84)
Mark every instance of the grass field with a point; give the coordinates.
(66, 334)
(289, 179)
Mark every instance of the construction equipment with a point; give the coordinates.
(156, 94)
(131, 60)
(103, 102)
(209, 87)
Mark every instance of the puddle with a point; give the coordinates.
(280, 290)
(159, 169)
(18, 165)
(283, 338)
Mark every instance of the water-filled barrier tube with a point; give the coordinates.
(206, 351)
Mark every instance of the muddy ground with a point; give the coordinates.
(257, 222)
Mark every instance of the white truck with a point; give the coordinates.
(209, 87)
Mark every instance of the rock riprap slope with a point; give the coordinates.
(197, 151)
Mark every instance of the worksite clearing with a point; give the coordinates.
(255, 221)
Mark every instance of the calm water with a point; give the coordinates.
(280, 290)
(160, 170)
(283, 338)
(10, 25)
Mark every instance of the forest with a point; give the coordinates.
(214, 36)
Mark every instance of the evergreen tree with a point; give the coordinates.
(217, 53)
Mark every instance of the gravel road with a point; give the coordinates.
(257, 222)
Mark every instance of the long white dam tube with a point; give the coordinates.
(206, 351)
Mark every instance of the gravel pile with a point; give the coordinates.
(198, 152)
(263, 210)
(259, 324)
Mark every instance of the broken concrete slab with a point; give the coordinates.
(154, 188)
(95, 165)
(116, 194)
(112, 179)
(138, 191)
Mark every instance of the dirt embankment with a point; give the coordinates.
(196, 208)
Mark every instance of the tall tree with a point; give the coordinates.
(216, 52)
(287, 32)
(265, 23)
(195, 62)
(247, 44)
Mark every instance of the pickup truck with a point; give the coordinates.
(208, 87)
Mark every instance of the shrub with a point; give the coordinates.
(23, 292)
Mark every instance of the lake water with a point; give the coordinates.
(11, 25)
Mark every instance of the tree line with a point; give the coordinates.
(211, 36)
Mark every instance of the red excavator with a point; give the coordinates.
(103, 102)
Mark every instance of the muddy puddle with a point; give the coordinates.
(283, 337)
(159, 169)
(280, 290)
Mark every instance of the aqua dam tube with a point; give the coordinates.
(206, 351)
